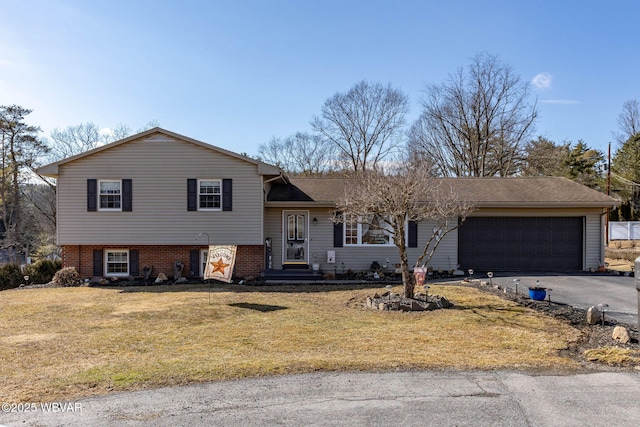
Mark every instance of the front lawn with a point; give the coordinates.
(63, 343)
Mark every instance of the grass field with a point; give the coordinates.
(62, 343)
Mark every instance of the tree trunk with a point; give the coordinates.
(407, 278)
(408, 281)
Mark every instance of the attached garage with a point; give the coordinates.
(522, 243)
(542, 224)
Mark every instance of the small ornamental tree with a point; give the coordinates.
(389, 200)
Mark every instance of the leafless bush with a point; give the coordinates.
(67, 276)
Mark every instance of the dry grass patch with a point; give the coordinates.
(613, 356)
(69, 342)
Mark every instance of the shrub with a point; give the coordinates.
(42, 271)
(67, 276)
(10, 276)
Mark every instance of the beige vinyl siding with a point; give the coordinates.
(594, 241)
(359, 258)
(159, 167)
(356, 258)
(446, 255)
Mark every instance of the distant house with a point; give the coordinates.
(143, 201)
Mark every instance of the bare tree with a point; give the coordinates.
(475, 123)
(302, 153)
(149, 125)
(76, 139)
(73, 140)
(628, 121)
(390, 200)
(365, 124)
(121, 131)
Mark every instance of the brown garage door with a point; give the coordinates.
(520, 244)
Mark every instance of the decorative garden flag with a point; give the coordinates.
(220, 262)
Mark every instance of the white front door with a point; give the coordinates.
(295, 239)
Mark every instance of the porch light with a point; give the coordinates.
(315, 221)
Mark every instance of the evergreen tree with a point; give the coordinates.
(21, 148)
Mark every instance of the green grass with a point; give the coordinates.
(71, 342)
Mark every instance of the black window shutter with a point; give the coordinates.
(413, 234)
(97, 262)
(192, 194)
(92, 195)
(127, 195)
(134, 263)
(194, 262)
(226, 195)
(337, 234)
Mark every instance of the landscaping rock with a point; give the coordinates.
(621, 334)
(394, 301)
(445, 303)
(594, 315)
(415, 306)
(432, 306)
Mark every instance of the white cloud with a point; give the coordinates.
(105, 132)
(542, 80)
(560, 101)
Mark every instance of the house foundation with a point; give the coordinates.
(249, 259)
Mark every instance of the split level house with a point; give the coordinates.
(158, 197)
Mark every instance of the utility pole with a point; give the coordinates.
(609, 171)
(606, 239)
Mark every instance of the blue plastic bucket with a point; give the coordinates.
(537, 294)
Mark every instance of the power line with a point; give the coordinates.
(624, 180)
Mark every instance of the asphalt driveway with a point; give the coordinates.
(419, 398)
(582, 291)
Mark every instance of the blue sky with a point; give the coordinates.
(236, 73)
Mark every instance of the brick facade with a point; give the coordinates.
(249, 259)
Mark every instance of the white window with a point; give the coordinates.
(116, 262)
(210, 194)
(373, 230)
(110, 195)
